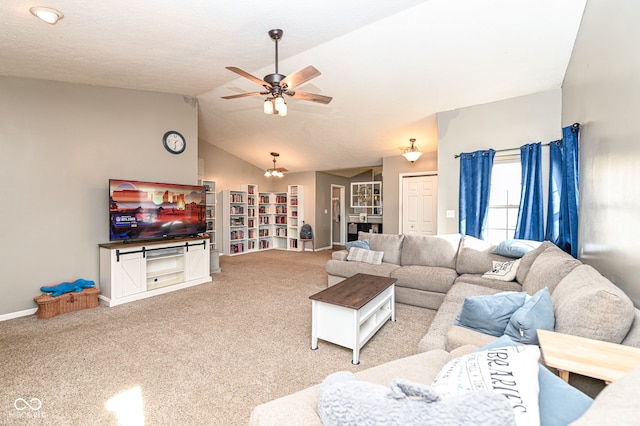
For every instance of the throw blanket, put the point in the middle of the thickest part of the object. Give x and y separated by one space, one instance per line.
343 400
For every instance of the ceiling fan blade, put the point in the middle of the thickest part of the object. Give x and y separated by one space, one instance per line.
313 97
249 76
243 95
299 77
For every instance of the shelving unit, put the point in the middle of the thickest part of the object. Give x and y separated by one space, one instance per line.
265 221
366 197
137 270
210 201
234 229
280 220
254 221
252 216
165 267
295 215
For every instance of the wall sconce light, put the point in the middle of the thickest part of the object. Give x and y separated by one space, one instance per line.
411 153
47 14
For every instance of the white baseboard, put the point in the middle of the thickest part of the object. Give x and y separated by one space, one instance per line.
12 315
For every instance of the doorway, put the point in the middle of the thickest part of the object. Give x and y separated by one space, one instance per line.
338 212
419 204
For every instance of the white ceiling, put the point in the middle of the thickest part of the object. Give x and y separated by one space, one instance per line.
389 65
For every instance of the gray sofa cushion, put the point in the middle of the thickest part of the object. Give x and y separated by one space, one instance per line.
459 336
428 278
633 337
587 304
551 266
390 244
527 260
475 257
430 250
489 282
615 405
349 269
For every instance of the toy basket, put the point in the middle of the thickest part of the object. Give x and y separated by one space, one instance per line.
49 306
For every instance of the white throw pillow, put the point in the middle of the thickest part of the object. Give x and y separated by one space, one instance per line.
510 371
357 254
503 271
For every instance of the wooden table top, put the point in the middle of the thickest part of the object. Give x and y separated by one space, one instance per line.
594 358
354 292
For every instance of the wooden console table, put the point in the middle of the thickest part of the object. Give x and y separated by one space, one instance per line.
593 358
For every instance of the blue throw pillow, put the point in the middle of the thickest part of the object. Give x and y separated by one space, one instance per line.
489 314
363 244
515 248
537 312
559 402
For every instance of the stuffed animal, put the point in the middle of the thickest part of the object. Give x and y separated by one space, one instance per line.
344 400
77 286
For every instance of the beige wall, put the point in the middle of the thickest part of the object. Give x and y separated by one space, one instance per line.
60 145
392 167
499 125
600 91
323 220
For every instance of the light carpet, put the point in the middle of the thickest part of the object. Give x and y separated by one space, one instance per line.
205 355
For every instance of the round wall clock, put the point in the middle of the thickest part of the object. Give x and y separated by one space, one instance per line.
174 142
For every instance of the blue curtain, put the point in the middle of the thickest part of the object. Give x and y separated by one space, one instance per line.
475 190
562 214
530 225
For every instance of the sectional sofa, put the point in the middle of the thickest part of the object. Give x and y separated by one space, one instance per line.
440 272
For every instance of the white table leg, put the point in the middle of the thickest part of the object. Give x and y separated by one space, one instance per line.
393 302
314 325
356 337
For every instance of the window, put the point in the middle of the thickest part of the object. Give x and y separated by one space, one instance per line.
505 198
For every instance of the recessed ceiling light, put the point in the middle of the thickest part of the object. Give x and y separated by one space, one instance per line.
47 14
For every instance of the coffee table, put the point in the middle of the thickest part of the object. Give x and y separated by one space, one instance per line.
352 311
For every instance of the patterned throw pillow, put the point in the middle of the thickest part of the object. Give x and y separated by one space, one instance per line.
368 256
503 271
510 371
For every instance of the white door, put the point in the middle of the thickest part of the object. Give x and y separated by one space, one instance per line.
419 205
338 212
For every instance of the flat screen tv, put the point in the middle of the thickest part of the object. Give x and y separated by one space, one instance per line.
149 210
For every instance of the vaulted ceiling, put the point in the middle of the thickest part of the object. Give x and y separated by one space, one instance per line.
389 66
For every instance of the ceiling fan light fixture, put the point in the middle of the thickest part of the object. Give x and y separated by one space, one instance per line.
47 14
282 110
268 106
412 153
275 171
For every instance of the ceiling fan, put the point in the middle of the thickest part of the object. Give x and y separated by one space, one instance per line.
276 85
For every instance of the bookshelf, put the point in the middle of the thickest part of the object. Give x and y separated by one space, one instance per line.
252 216
210 209
265 221
295 215
234 225
279 220
255 221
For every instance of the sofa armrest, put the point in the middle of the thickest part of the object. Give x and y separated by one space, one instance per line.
298 408
340 255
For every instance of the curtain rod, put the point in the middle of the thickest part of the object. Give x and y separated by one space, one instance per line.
574 127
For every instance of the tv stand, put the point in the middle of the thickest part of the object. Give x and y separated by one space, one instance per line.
132 271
